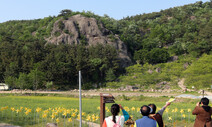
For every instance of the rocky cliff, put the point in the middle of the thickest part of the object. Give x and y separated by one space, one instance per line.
79 29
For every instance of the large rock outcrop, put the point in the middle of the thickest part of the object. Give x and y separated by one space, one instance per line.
79 29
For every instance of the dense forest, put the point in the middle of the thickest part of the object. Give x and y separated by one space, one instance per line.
177 41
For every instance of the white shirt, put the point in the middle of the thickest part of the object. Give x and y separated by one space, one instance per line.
109 121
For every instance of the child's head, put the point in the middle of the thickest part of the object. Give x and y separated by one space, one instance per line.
115 109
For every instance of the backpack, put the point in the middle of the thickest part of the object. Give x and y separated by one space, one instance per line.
116 124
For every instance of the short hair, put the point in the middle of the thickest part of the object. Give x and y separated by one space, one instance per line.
205 101
153 106
145 110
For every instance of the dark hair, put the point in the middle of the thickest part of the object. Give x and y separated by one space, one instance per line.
153 106
145 110
204 101
115 109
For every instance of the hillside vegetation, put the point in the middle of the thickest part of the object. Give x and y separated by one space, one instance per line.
176 41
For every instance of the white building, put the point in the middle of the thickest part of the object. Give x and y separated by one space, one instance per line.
4 86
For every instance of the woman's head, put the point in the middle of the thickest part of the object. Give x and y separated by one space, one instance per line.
115 109
153 106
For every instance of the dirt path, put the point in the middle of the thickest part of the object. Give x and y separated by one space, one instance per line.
183 87
181 84
7 125
97 93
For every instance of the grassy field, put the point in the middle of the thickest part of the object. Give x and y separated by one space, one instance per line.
32 111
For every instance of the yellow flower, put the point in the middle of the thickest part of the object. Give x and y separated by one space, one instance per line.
138 109
76 110
73 114
98 108
97 117
68 111
65 113
133 108
21 108
78 116
29 110
57 120
170 118
88 118
183 115
4 108
167 110
189 110
44 115
175 109
18 110
38 110
25 109
108 110
127 109
13 109
52 116
69 120
83 113
46 111
181 111
26 113
93 117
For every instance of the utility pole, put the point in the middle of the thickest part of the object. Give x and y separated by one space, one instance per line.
80 100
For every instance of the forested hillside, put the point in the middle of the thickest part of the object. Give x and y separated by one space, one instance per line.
177 41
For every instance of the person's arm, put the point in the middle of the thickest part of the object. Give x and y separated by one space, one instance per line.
125 113
164 107
196 111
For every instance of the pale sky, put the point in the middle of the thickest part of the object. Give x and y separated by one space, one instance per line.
117 9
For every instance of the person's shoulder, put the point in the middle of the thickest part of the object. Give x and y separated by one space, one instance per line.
198 108
109 117
139 119
122 117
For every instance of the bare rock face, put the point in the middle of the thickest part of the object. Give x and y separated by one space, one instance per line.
79 29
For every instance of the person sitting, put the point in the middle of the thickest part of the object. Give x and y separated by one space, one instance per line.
115 119
145 121
158 116
203 113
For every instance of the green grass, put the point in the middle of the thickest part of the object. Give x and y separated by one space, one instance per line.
89 106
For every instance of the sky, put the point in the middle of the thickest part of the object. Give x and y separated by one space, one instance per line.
117 9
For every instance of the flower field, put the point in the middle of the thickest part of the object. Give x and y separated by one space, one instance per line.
32 111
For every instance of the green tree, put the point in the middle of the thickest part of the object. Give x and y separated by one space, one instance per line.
158 55
110 76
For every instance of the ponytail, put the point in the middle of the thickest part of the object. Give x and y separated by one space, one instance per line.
114 118
115 111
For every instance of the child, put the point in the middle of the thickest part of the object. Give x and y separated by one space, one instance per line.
115 119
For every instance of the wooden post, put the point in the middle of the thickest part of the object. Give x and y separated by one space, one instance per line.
104 98
102 111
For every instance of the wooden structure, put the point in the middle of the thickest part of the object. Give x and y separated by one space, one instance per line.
104 98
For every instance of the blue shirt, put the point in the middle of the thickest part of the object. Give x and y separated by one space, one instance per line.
145 121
